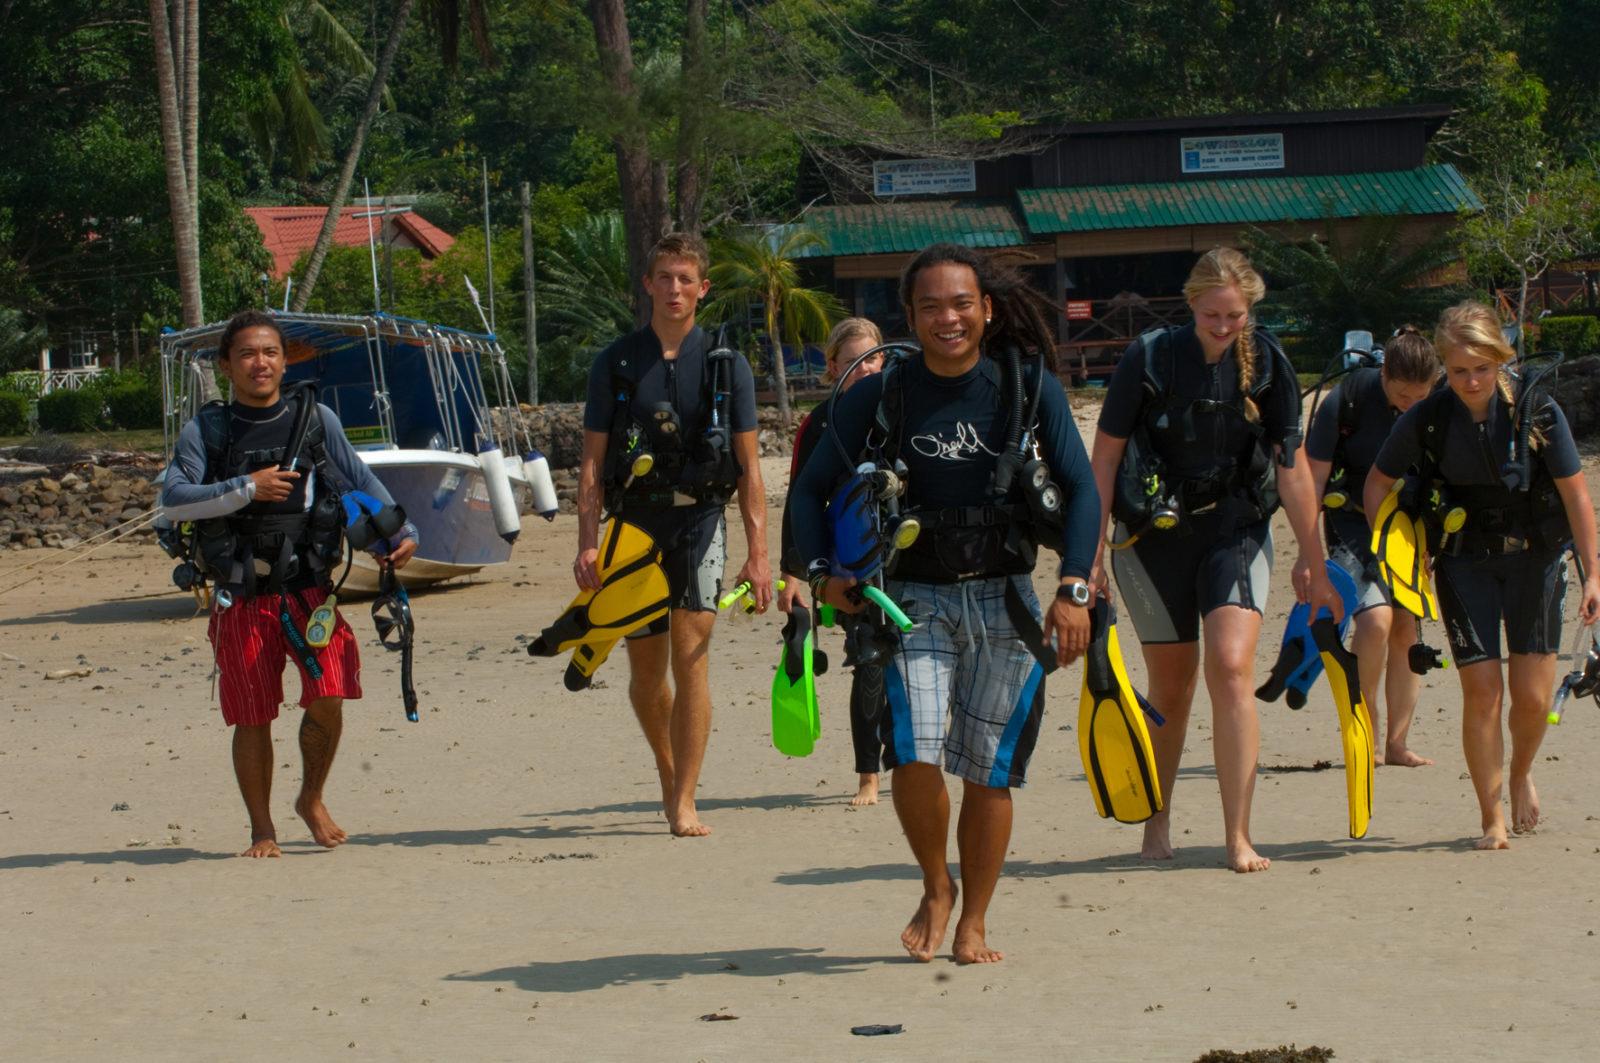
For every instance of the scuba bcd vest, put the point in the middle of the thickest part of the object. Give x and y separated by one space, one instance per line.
256 553
1001 533
1478 518
1243 488
661 461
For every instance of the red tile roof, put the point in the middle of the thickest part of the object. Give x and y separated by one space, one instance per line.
289 232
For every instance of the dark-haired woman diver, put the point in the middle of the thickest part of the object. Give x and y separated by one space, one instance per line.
965 685
1219 414
1347 430
1507 564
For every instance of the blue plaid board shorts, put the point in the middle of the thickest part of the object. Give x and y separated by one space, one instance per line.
964 690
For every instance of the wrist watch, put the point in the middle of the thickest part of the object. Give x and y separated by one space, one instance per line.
1076 592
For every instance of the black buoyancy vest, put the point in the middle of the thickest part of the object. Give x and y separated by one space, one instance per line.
227 548
1000 534
1494 512
692 460
1244 485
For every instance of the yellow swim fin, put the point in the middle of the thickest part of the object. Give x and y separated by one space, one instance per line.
1355 731
1118 760
633 593
1400 543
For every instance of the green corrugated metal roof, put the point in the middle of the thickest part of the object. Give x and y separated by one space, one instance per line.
1236 200
885 228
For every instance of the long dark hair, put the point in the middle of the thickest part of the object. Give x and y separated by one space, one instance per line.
1022 313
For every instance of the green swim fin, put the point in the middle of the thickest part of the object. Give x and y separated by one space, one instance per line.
633 593
1400 543
796 725
1115 744
1355 730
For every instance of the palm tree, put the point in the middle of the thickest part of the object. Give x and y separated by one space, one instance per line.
447 18
1374 280
175 31
759 267
584 287
287 116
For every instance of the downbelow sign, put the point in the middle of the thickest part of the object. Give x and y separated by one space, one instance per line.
923 177
1257 151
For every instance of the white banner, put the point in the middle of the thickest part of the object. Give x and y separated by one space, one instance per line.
923 177
1258 151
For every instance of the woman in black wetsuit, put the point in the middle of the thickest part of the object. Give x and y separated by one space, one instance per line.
1347 430
849 339
1507 565
1220 410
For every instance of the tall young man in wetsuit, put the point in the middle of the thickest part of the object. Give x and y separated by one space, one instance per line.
247 634
666 365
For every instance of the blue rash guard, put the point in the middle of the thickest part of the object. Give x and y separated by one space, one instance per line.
953 428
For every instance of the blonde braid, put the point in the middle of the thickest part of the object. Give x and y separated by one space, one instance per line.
1244 352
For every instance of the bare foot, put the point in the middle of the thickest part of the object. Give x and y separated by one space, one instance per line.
262 847
1401 757
1157 841
925 932
866 790
1244 859
324 831
970 946
1524 804
685 823
1493 838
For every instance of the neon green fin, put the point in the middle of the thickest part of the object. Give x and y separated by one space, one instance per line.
1115 744
796 725
1355 729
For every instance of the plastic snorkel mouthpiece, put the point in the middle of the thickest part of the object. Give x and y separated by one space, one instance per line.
1424 658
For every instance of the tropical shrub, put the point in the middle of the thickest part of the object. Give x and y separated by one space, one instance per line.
1574 335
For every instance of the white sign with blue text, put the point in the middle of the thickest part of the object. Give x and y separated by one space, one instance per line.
923 177
1256 151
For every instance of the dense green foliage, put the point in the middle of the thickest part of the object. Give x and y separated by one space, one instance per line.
1574 336
13 413
69 410
85 238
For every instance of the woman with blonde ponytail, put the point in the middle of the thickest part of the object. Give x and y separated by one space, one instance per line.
1196 444
1507 565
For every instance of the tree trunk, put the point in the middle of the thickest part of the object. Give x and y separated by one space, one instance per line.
358 140
1522 308
780 376
693 87
643 204
191 113
165 26
530 318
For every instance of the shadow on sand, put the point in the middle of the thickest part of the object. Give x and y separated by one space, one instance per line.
577 976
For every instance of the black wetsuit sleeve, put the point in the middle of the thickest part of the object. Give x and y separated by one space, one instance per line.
1062 447
744 397
808 496
1119 414
1323 439
804 444
600 407
1280 407
1403 448
1559 452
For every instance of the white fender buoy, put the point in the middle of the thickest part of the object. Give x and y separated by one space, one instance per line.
536 469
501 504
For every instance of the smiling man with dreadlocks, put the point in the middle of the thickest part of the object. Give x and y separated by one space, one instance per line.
962 422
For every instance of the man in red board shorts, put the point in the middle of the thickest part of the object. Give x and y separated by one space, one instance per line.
269 538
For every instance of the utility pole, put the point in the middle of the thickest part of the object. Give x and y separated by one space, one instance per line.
530 319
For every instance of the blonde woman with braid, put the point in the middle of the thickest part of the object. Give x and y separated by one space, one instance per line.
1201 423
1507 565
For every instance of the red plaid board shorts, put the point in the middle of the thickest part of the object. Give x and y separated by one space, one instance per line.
248 642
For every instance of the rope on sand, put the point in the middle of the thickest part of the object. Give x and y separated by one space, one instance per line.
83 549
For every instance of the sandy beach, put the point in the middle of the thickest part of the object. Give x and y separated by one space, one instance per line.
510 891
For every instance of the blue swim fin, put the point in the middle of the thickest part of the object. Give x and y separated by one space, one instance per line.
1299 664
